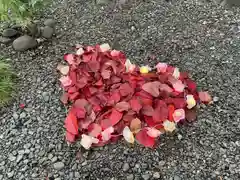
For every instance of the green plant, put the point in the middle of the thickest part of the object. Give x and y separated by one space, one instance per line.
6 82
20 11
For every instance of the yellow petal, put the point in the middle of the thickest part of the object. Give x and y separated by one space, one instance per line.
144 69
191 102
169 126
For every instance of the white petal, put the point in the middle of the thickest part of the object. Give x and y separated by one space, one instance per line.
87 141
106 134
128 135
153 132
80 51
105 47
176 73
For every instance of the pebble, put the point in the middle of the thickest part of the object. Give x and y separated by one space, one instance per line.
12 158
130 177
19 158
10 174
58 165
50 22
5 40
54 159
47 32
125 167
77 175
15 116
45 96
24 43
176 177
146 176
9 32
156 175
23 115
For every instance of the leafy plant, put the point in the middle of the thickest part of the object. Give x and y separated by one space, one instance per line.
20 11
6 82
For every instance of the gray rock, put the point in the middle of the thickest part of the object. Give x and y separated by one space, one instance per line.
23 115
130 177
10 174
54 159
33 29
156 175
125 167
47 32
15 116
176 177
58 165
77 175
12 158
9 32
46 96
102 2
19 158
1 176
50 22
5 40
24 43
146 176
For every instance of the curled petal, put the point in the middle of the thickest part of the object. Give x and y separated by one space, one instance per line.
128 135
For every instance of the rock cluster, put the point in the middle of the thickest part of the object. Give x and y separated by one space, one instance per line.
22 41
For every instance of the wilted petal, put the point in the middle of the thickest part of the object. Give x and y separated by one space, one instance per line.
128 135
87 141
178 115
169 126
161 67
191 102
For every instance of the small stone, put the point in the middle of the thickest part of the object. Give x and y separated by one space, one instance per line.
50 22
9 32
47 32
102 2
10 174
77 175
130 177
146 176
50 156
125 167
179 137
23 115
54 159
58 165
19 158
15 116
24 43
215 99
176 177
5 40
156 175
45 96
12 158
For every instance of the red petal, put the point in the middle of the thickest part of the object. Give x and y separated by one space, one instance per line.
125 89
152 88
106 74
94 66
70 137
94 129
135 105
81 103
171 110
191 85
143 138
71 123
147 110
87 57
122 106
114 98
161 112
115 117
204 97
69 58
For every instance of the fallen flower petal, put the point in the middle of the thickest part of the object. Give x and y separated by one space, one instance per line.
204 97
169 126
178 115
161 67
153 132
105 47
190 101
106 134
128 135
144 69
176 73
87 141
66 81
135 125
143 138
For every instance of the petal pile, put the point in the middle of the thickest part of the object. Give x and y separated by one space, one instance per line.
109 97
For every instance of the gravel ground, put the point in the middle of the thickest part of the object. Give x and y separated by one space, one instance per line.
202 38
